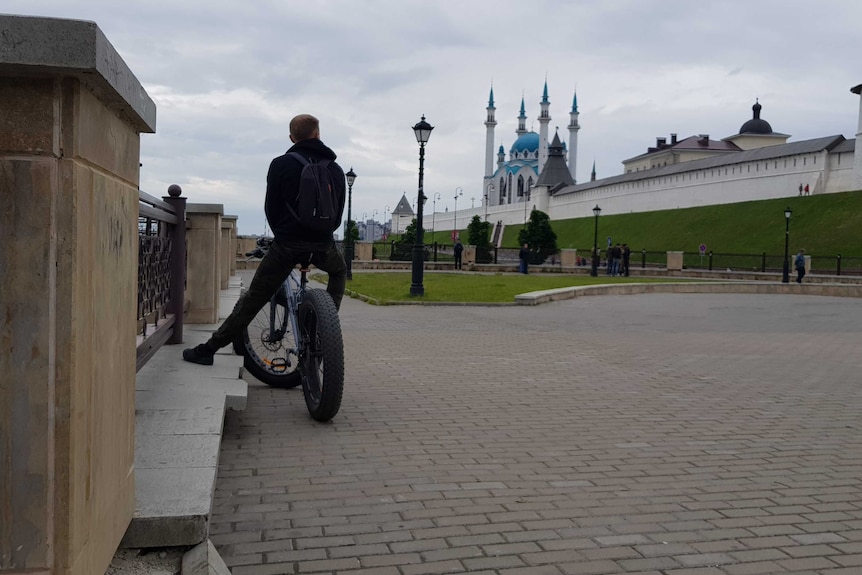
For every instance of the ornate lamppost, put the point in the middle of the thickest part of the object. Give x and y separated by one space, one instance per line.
422 130
594 271
458 192
348 246
434 213
785 276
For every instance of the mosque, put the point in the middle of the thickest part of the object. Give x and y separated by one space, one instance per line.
754 163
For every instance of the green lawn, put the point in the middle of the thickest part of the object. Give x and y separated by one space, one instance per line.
394 287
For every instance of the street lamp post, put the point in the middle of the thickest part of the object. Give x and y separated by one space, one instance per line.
374 224
487 197
434 213
386 217
785 277
422 130
348 246
594 271
458 192
526 203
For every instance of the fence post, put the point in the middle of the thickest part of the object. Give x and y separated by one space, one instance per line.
178 262
839 264
763 262
710 260
495 253
435 252
643 259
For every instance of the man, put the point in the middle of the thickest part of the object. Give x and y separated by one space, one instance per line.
458 249
627 255
524 257
294 243
800 266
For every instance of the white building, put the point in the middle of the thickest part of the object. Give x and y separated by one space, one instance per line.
754 164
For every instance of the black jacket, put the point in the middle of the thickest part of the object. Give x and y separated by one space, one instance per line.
282 186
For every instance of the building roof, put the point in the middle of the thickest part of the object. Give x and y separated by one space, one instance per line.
766 153
528 142
700 142
555 170
403 208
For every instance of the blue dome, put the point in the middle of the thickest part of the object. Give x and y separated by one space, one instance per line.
528 142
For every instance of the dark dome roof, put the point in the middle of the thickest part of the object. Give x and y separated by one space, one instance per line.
756 125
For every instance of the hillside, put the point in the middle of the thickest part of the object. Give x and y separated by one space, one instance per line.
824 225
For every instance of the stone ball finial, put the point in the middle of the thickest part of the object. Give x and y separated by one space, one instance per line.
174 190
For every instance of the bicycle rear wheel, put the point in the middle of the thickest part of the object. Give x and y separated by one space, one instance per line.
322 360
268 346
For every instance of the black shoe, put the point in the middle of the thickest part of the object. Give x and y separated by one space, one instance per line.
200 354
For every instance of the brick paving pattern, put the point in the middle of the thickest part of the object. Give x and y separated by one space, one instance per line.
664 434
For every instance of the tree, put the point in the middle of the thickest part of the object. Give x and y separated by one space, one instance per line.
479 235
352 232
539 236
403 249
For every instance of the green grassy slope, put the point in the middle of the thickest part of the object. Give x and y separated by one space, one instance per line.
822 224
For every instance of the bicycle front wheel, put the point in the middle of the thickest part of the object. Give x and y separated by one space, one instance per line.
322 358
268 346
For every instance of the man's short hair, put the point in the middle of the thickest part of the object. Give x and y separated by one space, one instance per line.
304 127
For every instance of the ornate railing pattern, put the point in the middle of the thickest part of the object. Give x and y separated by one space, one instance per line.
161 272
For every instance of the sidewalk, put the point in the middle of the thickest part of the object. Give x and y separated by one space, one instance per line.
179 416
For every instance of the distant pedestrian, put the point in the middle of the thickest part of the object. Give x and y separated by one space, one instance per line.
524 257
627 255
800 188
458 249
806 189
800 266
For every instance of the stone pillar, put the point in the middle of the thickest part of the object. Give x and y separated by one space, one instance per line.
568 258
364 251
72 115
225 248
857 155
232 245
204 261
674 261
469 255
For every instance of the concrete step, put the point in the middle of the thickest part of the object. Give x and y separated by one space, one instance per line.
179 414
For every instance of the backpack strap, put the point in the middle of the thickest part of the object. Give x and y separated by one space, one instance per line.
299 157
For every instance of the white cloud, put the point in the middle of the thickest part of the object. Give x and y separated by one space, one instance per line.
228 76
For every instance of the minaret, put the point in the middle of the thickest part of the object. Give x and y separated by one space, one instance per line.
544 119
573 138
857 154
522 120
490 123
593 174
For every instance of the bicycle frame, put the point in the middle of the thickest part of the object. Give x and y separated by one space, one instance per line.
294 288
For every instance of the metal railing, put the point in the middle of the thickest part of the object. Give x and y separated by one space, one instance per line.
161 272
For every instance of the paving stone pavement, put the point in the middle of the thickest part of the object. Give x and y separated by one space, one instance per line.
664 434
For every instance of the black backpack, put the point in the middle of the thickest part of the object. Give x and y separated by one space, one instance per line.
321 195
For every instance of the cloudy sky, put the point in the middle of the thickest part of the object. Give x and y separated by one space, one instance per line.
227 76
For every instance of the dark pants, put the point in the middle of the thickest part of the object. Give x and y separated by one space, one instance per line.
457 261
274 268
800 273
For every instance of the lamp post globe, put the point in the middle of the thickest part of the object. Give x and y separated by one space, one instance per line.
422 130
785 276
348 243
594 270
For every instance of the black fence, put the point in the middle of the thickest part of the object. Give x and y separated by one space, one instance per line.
161 273
644 259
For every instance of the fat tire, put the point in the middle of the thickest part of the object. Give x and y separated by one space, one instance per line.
320 329
254 363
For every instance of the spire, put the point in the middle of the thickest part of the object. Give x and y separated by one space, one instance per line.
575 103
491 97
593 174
756 108
522 119
545 92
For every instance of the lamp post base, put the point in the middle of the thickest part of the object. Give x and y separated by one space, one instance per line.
785 276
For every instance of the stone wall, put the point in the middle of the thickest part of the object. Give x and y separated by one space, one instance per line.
69 161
